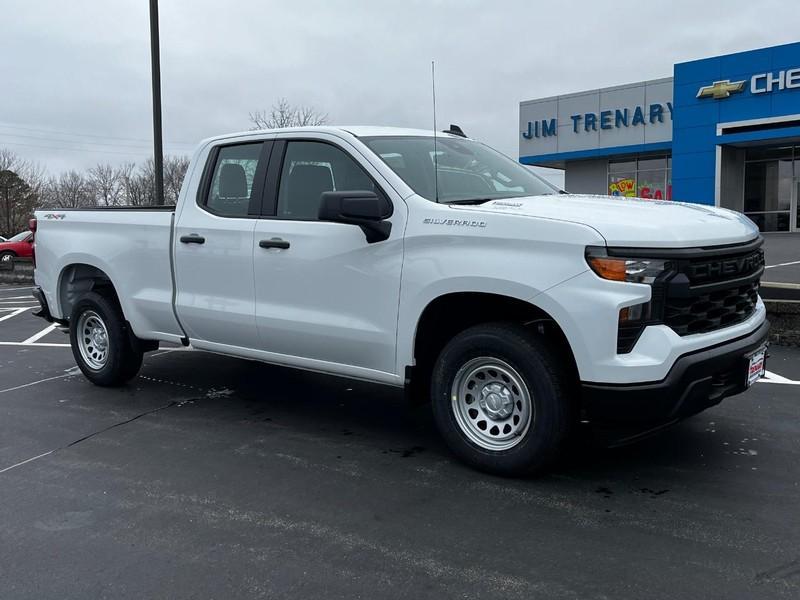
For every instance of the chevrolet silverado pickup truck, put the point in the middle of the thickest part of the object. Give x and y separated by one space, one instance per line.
425 261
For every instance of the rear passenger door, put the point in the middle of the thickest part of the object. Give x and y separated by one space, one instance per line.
326 298
215 297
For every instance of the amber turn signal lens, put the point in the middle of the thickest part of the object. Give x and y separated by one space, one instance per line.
608 268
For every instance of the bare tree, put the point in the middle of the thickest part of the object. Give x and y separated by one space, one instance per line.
9 161
175 168
104 185
138 184
282 114
16 202
24 186
20 189
73 190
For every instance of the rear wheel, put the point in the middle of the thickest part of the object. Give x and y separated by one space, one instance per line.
501 400
101 343
6 257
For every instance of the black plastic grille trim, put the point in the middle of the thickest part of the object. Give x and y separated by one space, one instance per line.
703 313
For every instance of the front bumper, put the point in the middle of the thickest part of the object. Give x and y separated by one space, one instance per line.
696 381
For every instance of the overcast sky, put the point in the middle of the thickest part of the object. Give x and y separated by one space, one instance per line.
76 74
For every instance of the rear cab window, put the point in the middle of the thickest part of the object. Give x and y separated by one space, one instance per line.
234 189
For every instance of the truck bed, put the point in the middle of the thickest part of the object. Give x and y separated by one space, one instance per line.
132 246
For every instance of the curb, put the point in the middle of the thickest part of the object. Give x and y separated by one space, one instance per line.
784 318
21 271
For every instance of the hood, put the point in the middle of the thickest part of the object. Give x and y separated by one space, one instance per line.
634 221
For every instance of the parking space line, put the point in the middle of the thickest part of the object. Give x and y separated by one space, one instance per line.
26 461
41 334
786 264
14 289
16 312
35 345
770 377
68 373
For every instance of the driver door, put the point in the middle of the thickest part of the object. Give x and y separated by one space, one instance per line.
326 298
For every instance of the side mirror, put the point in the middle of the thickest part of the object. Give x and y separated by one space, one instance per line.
368 210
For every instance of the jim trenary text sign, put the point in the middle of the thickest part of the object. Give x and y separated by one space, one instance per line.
604 119
621 116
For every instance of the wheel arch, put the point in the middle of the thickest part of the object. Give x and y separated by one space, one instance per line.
76 280
448 314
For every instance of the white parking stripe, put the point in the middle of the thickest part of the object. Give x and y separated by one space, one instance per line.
68 373
770 377
2 289
24 462
36 345
28 298
16 312
786 264
41 334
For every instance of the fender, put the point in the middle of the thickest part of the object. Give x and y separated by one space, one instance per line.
411 309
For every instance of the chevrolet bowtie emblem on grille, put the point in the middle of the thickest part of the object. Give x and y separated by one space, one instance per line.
720 89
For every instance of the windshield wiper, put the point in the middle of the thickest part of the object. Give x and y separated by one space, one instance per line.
469 201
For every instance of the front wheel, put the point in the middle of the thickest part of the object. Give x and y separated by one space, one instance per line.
501 400
7 257
100 341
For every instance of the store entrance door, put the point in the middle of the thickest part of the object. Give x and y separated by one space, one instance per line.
771 178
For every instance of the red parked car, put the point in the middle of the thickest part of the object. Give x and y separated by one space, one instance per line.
19 246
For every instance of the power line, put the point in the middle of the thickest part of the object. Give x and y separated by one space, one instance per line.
5 125
82 142
144 151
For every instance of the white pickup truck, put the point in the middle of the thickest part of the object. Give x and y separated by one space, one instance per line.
430 262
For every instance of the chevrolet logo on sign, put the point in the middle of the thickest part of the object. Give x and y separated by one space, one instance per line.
720 89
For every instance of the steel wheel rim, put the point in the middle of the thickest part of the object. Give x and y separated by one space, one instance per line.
491 403
92 339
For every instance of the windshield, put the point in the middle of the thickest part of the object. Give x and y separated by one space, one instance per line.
467 170
20 237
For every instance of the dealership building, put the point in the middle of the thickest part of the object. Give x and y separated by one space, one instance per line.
722 131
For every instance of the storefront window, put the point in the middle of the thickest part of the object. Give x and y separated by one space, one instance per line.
622 184
652 184
769 187
645 177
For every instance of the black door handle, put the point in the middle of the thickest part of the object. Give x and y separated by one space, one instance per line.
274 243
193 239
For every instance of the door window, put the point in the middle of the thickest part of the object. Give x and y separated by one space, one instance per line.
232 186
311 168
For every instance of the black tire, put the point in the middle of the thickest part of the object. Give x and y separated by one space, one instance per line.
7 256
122 360
546 382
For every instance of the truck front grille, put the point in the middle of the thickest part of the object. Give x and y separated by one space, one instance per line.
712 311
709 293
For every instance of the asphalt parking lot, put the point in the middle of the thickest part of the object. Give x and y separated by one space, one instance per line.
782 257
212 477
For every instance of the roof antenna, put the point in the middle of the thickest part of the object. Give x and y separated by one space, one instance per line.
435 153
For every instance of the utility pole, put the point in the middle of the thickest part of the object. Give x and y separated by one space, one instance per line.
155 67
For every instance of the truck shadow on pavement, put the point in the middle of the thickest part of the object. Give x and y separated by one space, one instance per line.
331 413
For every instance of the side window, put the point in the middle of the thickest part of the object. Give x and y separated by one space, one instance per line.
232 181
311 168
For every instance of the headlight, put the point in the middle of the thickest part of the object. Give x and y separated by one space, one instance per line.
632 270
651 271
